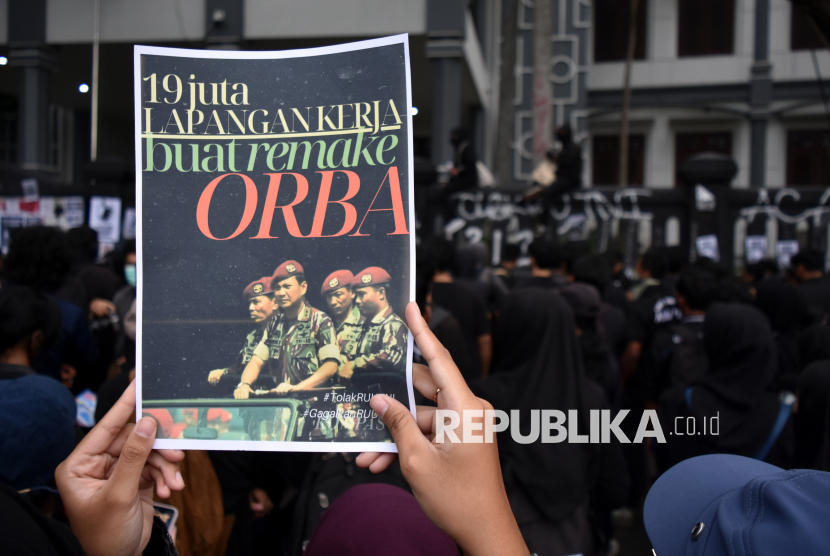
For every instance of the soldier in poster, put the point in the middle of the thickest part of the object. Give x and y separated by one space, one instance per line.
382 343
337 290
261 305
301 338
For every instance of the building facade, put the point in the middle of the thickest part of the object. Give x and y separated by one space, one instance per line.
743 77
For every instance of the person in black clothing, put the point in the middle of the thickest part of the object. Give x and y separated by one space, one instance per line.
537 365
814 288
463 174
601 365
568 168
737 389
462 304
445 327
812 421
785 310
594 270
652 305
547 266
39 258
678 350
37 413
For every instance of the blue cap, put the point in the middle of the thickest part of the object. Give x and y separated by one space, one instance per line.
721 505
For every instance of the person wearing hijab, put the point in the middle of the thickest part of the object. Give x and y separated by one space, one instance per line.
378 519
737 390
812 421
600 364
785 310
814 344
538 366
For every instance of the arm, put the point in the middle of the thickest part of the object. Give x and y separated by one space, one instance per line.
326 370
106 483
391 354
249 375
458 485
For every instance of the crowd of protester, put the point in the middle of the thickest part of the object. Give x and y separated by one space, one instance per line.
561 328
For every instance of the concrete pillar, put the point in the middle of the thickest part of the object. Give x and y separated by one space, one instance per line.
446 106
27 51
445 42
760 96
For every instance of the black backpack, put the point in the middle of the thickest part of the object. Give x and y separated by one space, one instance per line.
688 359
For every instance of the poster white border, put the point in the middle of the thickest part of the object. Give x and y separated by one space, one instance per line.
259 445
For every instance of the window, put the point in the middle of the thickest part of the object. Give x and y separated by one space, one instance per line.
688 144
803 34
606 159
705 27
808 157
611 30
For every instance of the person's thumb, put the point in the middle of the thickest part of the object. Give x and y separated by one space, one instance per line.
124 483
401 424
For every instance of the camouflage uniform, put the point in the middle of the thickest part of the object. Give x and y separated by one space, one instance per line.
252 340
382 344
348 334
300 347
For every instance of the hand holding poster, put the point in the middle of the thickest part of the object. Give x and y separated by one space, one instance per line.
274 200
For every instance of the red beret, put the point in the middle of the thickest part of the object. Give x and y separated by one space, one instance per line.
287 270
259 287
336 280
372 276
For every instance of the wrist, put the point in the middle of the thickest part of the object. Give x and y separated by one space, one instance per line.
243 383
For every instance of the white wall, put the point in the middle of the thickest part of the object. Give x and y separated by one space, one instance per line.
324 18
71 21
659 125
663 68
788 65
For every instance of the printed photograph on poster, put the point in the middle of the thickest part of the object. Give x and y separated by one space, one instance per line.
105 218
275 244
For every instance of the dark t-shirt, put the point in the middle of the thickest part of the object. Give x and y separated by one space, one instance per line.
544 282
655 308
468 310
816 294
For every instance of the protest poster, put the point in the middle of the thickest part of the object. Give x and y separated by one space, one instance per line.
275 245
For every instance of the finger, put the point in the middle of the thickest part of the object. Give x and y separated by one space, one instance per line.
383 462
401 425
422 380
169 470
426 416
108 428
161 486
122 486
443 370
365 459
